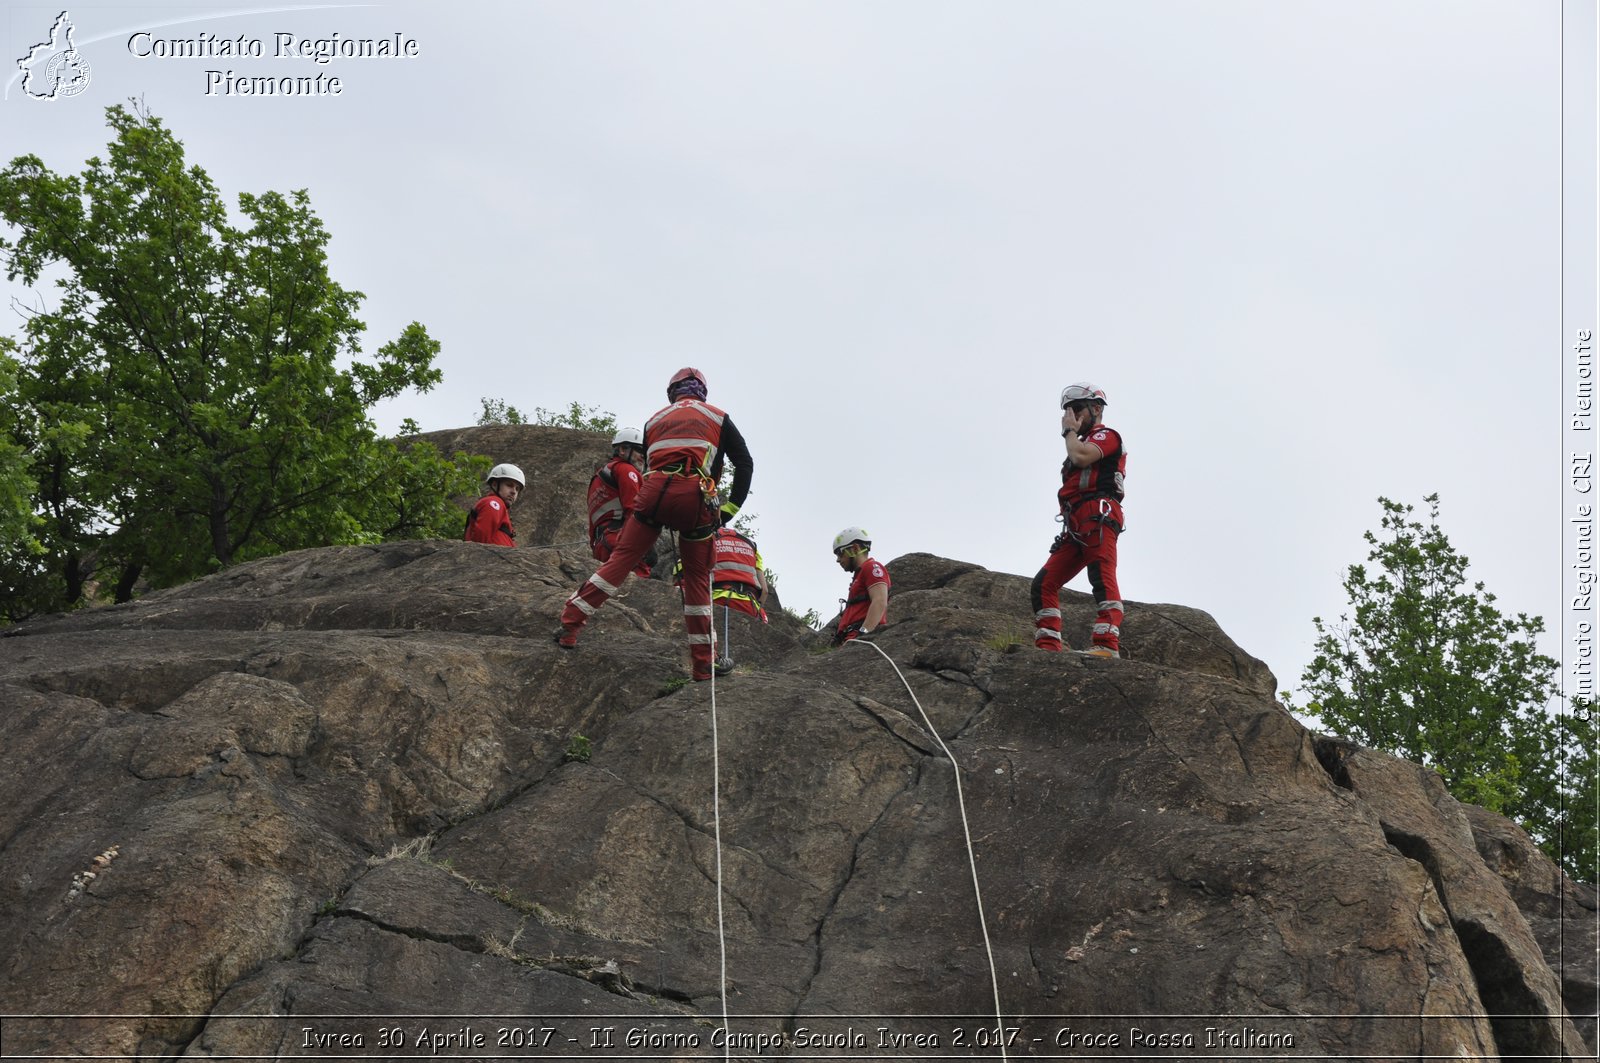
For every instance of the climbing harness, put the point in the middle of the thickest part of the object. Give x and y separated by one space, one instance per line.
966 830
1103 517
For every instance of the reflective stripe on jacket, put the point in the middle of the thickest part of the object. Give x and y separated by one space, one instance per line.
605 501
687 433
743 603
736 560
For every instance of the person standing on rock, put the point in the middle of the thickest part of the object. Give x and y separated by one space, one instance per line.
490 519
685 444
863 612
1091 511
612 492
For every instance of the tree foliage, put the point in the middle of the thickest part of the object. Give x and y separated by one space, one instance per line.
810 618
1572 792
18 524
183 401
497 411
1429 669
583 418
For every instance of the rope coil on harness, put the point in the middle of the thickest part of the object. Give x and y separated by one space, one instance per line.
966 830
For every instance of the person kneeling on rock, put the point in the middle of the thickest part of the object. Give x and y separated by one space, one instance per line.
863 612
738 582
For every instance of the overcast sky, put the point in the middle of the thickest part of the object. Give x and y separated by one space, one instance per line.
1310 250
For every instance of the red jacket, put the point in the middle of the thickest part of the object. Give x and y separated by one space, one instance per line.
490 522
737 562
611 493
734 582
697 436
1103 479
855 607
687 433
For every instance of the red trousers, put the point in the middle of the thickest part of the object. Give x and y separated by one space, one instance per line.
1090 542
666 500
605 544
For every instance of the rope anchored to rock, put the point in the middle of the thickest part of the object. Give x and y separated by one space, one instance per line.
716 819
966 830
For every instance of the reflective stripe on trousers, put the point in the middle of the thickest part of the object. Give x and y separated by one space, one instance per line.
677 503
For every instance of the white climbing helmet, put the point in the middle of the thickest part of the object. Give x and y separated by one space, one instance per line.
851 536
628 437
1081 392
505 472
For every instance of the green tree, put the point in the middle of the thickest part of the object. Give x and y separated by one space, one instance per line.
583 418
184 402
809 618
18 524
1429 669
496 411
1568 810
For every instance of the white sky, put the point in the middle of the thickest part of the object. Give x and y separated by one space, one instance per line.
1311 250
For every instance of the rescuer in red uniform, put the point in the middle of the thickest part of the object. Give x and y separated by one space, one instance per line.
612 492
868 604
490 519
685 444
738 582
738 577
1091 510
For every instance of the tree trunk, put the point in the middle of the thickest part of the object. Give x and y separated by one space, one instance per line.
130 576
221 546
74 571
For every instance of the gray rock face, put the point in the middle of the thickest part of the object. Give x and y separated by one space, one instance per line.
1561 913
339 789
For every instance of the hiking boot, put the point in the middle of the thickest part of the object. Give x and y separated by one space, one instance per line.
1099 651
1048 645
723 666
567 637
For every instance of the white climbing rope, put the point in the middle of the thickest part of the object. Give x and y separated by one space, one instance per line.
966 830
556 546
716 823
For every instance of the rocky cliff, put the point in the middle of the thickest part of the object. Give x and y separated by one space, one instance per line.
352 801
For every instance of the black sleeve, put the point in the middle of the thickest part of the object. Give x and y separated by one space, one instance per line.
734 448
